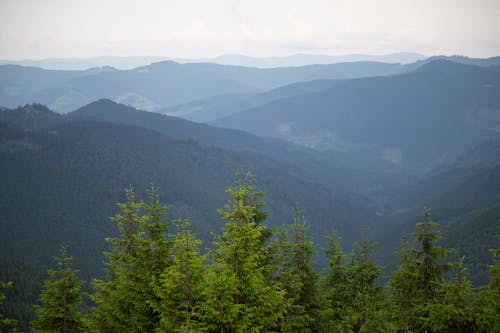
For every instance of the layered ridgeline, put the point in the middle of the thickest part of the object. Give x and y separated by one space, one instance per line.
161 84
165 84
178 163
412 120
61 181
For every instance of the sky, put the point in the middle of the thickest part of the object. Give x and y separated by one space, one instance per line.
37 29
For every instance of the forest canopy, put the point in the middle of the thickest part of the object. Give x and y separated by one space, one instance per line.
257 279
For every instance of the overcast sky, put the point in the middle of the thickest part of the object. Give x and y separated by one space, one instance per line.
37 29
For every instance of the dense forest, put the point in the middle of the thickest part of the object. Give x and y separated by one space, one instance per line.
252 278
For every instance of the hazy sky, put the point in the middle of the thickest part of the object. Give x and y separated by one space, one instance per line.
206 28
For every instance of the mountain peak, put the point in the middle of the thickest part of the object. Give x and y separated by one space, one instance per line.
30 116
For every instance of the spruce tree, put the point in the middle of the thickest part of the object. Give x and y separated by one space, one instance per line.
353 301
59 299
297 277
415 283
181 285
453 310
126 299
247 303
6 323
366 306
487 304
335 287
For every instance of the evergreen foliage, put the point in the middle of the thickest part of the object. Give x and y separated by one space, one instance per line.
252 281
125 300
415 282
5 323
296 276
60 298
181 285
354 301
249 303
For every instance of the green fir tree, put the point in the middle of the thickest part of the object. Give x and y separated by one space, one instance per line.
240 298
126 299
59 299
181 285
415 283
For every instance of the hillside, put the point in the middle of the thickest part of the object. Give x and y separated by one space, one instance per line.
413 120
161 84
60 167
207 110
331 170
464 198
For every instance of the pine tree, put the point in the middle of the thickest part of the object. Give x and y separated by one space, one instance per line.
59 299
487 304
282 262
247 303
181 285
297 277
366 308
335 287
414 284
454 310
5 323
126 299
354 302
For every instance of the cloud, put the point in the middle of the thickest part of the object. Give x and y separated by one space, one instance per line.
189 28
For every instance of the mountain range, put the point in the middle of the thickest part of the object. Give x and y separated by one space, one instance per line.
55 168
412 120
355 144
227 59
165 84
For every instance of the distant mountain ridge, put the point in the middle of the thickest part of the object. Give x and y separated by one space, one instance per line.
411 119
131 62
160 84
164 84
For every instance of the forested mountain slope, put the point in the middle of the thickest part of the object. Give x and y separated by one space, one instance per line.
412 120
333 170
465 199
60 167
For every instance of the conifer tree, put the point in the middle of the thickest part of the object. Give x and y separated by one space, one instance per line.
487 304
282 261
454 310
5 323
297 277
59 299
153 255
354 302
125 300
414 284
248 303
366 308
181 285
335 287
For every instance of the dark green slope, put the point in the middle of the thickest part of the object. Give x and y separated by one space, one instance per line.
464 197
19 299
43 206
469 182
56 170
414 119
30 116
328 169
